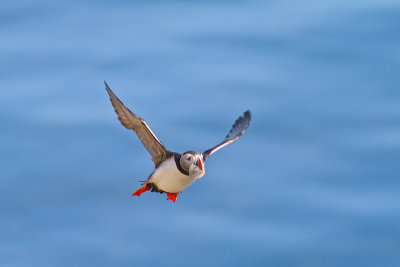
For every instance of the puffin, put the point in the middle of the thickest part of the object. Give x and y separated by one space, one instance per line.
174 172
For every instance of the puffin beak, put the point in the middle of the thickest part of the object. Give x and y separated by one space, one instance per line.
199 164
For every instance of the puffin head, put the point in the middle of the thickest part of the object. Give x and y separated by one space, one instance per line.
192 162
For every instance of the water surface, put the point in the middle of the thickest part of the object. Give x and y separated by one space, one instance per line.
313 182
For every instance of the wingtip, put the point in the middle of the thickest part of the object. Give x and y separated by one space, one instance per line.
105 83
110 93
247 114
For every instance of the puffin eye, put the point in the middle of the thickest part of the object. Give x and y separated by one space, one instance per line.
189 158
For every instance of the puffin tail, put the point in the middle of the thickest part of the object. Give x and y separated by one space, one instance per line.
141 190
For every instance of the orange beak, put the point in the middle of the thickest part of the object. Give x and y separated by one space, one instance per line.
200 164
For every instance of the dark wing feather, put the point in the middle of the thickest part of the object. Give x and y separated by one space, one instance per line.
237 130
128 119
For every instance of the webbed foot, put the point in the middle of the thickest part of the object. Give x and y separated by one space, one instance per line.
141 190
172 196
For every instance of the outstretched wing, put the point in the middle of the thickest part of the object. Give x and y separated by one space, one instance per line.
128 119
237 130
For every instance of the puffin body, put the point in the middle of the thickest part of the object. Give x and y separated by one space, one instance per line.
168 178
173 172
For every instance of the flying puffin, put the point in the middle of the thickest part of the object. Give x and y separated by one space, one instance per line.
173 172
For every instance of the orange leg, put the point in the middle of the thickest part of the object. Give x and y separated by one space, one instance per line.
172 196
141 190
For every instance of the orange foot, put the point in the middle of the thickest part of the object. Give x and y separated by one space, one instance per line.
172 196
141 190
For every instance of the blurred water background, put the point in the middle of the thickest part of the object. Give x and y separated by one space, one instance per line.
315 181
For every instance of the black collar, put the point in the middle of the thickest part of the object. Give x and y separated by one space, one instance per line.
178 164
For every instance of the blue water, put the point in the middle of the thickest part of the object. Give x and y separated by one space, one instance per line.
315 181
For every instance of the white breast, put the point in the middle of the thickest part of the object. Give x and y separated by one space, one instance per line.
168 178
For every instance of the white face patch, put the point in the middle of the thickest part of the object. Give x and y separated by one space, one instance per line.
195 172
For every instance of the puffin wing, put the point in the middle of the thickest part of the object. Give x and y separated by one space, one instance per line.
131 121
237 130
